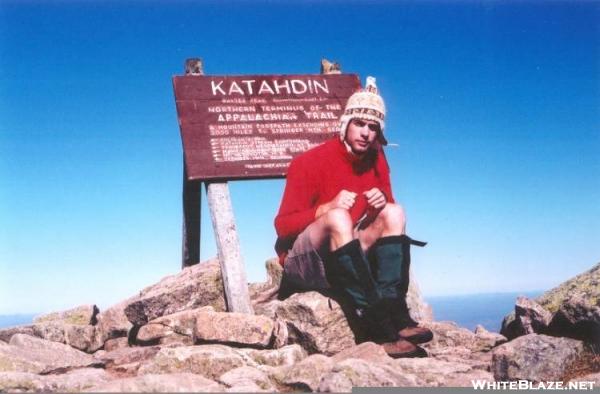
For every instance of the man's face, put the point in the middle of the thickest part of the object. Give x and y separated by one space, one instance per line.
361 134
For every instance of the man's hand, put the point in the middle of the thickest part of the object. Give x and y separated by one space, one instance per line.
344 199
375 198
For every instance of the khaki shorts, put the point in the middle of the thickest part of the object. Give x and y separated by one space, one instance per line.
303 267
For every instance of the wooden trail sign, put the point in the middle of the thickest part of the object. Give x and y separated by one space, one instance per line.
250 127
246 127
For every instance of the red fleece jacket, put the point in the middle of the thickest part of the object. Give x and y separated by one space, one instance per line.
316 177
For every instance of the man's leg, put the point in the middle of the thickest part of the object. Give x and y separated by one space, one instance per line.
304 267
345 264
349 271
390 249
389 225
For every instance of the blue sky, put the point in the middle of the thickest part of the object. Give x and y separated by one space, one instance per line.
495 107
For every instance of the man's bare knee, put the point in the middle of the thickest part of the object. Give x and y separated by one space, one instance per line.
338 220
393 219
338 224
333 227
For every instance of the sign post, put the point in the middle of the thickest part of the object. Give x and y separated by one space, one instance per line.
246 127
191 197
228 248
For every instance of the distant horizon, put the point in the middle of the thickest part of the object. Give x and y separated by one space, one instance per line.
468 311
425 298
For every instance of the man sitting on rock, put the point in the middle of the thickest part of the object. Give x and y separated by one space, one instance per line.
338 226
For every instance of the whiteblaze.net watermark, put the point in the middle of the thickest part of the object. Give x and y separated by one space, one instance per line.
528 385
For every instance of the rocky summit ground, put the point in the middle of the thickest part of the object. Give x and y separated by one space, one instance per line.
175 336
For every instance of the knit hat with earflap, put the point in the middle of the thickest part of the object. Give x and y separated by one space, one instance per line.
365 104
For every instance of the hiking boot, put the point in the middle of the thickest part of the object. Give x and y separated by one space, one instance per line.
406 326
403 348
383 331
416 334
